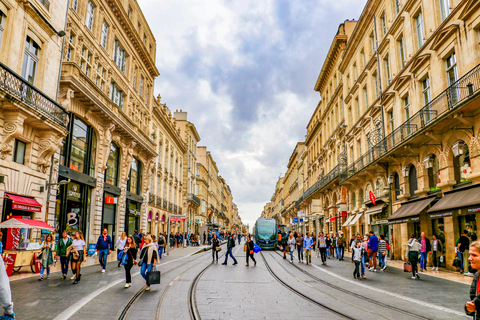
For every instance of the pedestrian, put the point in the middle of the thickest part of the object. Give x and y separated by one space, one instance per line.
1 243
5 293
209 238
137 238
250 252
120 245
62 246
47 256
284 244
148 259
328 242
161 245
413 250
230 246
424 251
79 244
335 245
204 237
472 306
130 249
307 246
365 253
437 251
291 245
353 240
382 252
155 242
357 253
322 247
299 240
215 244
463 244
372 251
341 246
104 248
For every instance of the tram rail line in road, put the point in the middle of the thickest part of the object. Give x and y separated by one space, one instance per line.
357 295
319 304
124 312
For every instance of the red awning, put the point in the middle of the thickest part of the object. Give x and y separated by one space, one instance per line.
25 204
20 223
333 218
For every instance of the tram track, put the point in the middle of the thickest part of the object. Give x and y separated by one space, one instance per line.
302 295
357 295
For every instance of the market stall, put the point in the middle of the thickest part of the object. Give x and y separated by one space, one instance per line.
20 251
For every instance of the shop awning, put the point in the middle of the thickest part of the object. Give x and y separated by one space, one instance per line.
348 221
20 223
411 208
25 204
354 220
376 208
464 197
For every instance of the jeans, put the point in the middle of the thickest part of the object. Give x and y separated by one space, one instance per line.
434 259
291 255
381 259
328 252
300 253
460 256
423 260
323 254
413 259
42 269
341 251
229 252
102 257
160 252
146 268
362 264
308 255
64 265
337 252
5 293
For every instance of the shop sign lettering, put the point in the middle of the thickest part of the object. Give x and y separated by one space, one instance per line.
73 194
72 219
473 209
438 215
23 207
379 222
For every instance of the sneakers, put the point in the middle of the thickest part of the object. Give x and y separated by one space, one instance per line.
75 282
468 274
103 270
291 261
127 285
374 270
64 277
224 264
73 277
8 316
255 263
384 268
363 276
418 277
246 265
41 278
414 278
48 276
235 263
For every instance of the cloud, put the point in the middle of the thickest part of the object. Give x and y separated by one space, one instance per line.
245 71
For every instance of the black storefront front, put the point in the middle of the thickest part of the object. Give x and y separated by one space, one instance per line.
134 199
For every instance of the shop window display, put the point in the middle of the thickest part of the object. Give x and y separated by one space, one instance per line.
438 229
462 165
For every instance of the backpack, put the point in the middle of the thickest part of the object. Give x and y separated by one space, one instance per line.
161 241
232 242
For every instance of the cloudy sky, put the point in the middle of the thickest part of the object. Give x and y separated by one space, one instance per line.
244 70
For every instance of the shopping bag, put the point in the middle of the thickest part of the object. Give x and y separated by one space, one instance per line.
245 247
407 267
124 259
153 276
256 248
120 255
442 259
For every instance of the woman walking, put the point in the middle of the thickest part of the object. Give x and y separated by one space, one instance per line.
79 244
382 252
130 250
357 253
472 307
148 258
215 244
437 251
120 244
47 256
413 249
250 251
291 244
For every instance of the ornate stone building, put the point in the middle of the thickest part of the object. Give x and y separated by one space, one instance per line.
32 123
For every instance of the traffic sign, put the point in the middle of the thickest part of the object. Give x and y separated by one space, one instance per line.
295 220
372 197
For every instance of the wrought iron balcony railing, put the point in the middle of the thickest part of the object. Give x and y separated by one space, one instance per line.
165 204
460 91
170 206
151 199
159 201
20 89
320 184
175 208
193 198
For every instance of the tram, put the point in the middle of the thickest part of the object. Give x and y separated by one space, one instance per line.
265 233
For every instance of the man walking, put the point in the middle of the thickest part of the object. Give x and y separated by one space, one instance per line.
230 246
307 245
62 246
462 244
299 241
372 251
322 247
104 248
204 237
137 238
424 251
161 245
341 246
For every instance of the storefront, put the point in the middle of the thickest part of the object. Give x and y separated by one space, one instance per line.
111 192
109 213
134 200
376 219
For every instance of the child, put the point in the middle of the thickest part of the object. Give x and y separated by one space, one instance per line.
357 258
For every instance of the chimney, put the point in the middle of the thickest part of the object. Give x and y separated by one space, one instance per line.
180 115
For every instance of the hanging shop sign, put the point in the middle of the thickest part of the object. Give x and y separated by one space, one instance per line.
111 200
372 197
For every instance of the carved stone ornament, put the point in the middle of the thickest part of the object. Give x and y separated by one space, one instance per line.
106 142
66 98
48 145
10 130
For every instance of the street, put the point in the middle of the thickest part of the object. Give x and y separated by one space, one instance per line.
273 289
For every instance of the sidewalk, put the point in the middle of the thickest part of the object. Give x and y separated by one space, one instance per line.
25 272
442 273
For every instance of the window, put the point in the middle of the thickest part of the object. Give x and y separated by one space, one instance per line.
363 58
19 151
375 84
119 56
406 107
444 9
90 12
104 35
433 173
397 6
392 121
70 46
387 70
135 178
426 98
111 173
116 95
462 165
401 47
361 196
452 76
358 108
141 86
130 12
78 158
372 43
412 180
75 4
196 189
93 152
135 78
355 76
30 60
2 25
384 25
100 81
420 31
365 92
159 154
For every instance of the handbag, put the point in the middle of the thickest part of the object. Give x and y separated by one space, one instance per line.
251 251
407 267
124 260
457 262
218 248
287 249
442 259
120 255
245 247
153 277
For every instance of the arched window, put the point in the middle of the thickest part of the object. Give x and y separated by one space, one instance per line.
412 180
461 162
135 181
354 201
361 196
379 188
111 173
431 164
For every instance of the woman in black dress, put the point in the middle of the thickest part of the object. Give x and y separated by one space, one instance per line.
250 251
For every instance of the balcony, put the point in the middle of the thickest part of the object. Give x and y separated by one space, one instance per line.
21 90
431 114
170 206
151 199
179 210
193 198
165 204
320 184
159 201
175 208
